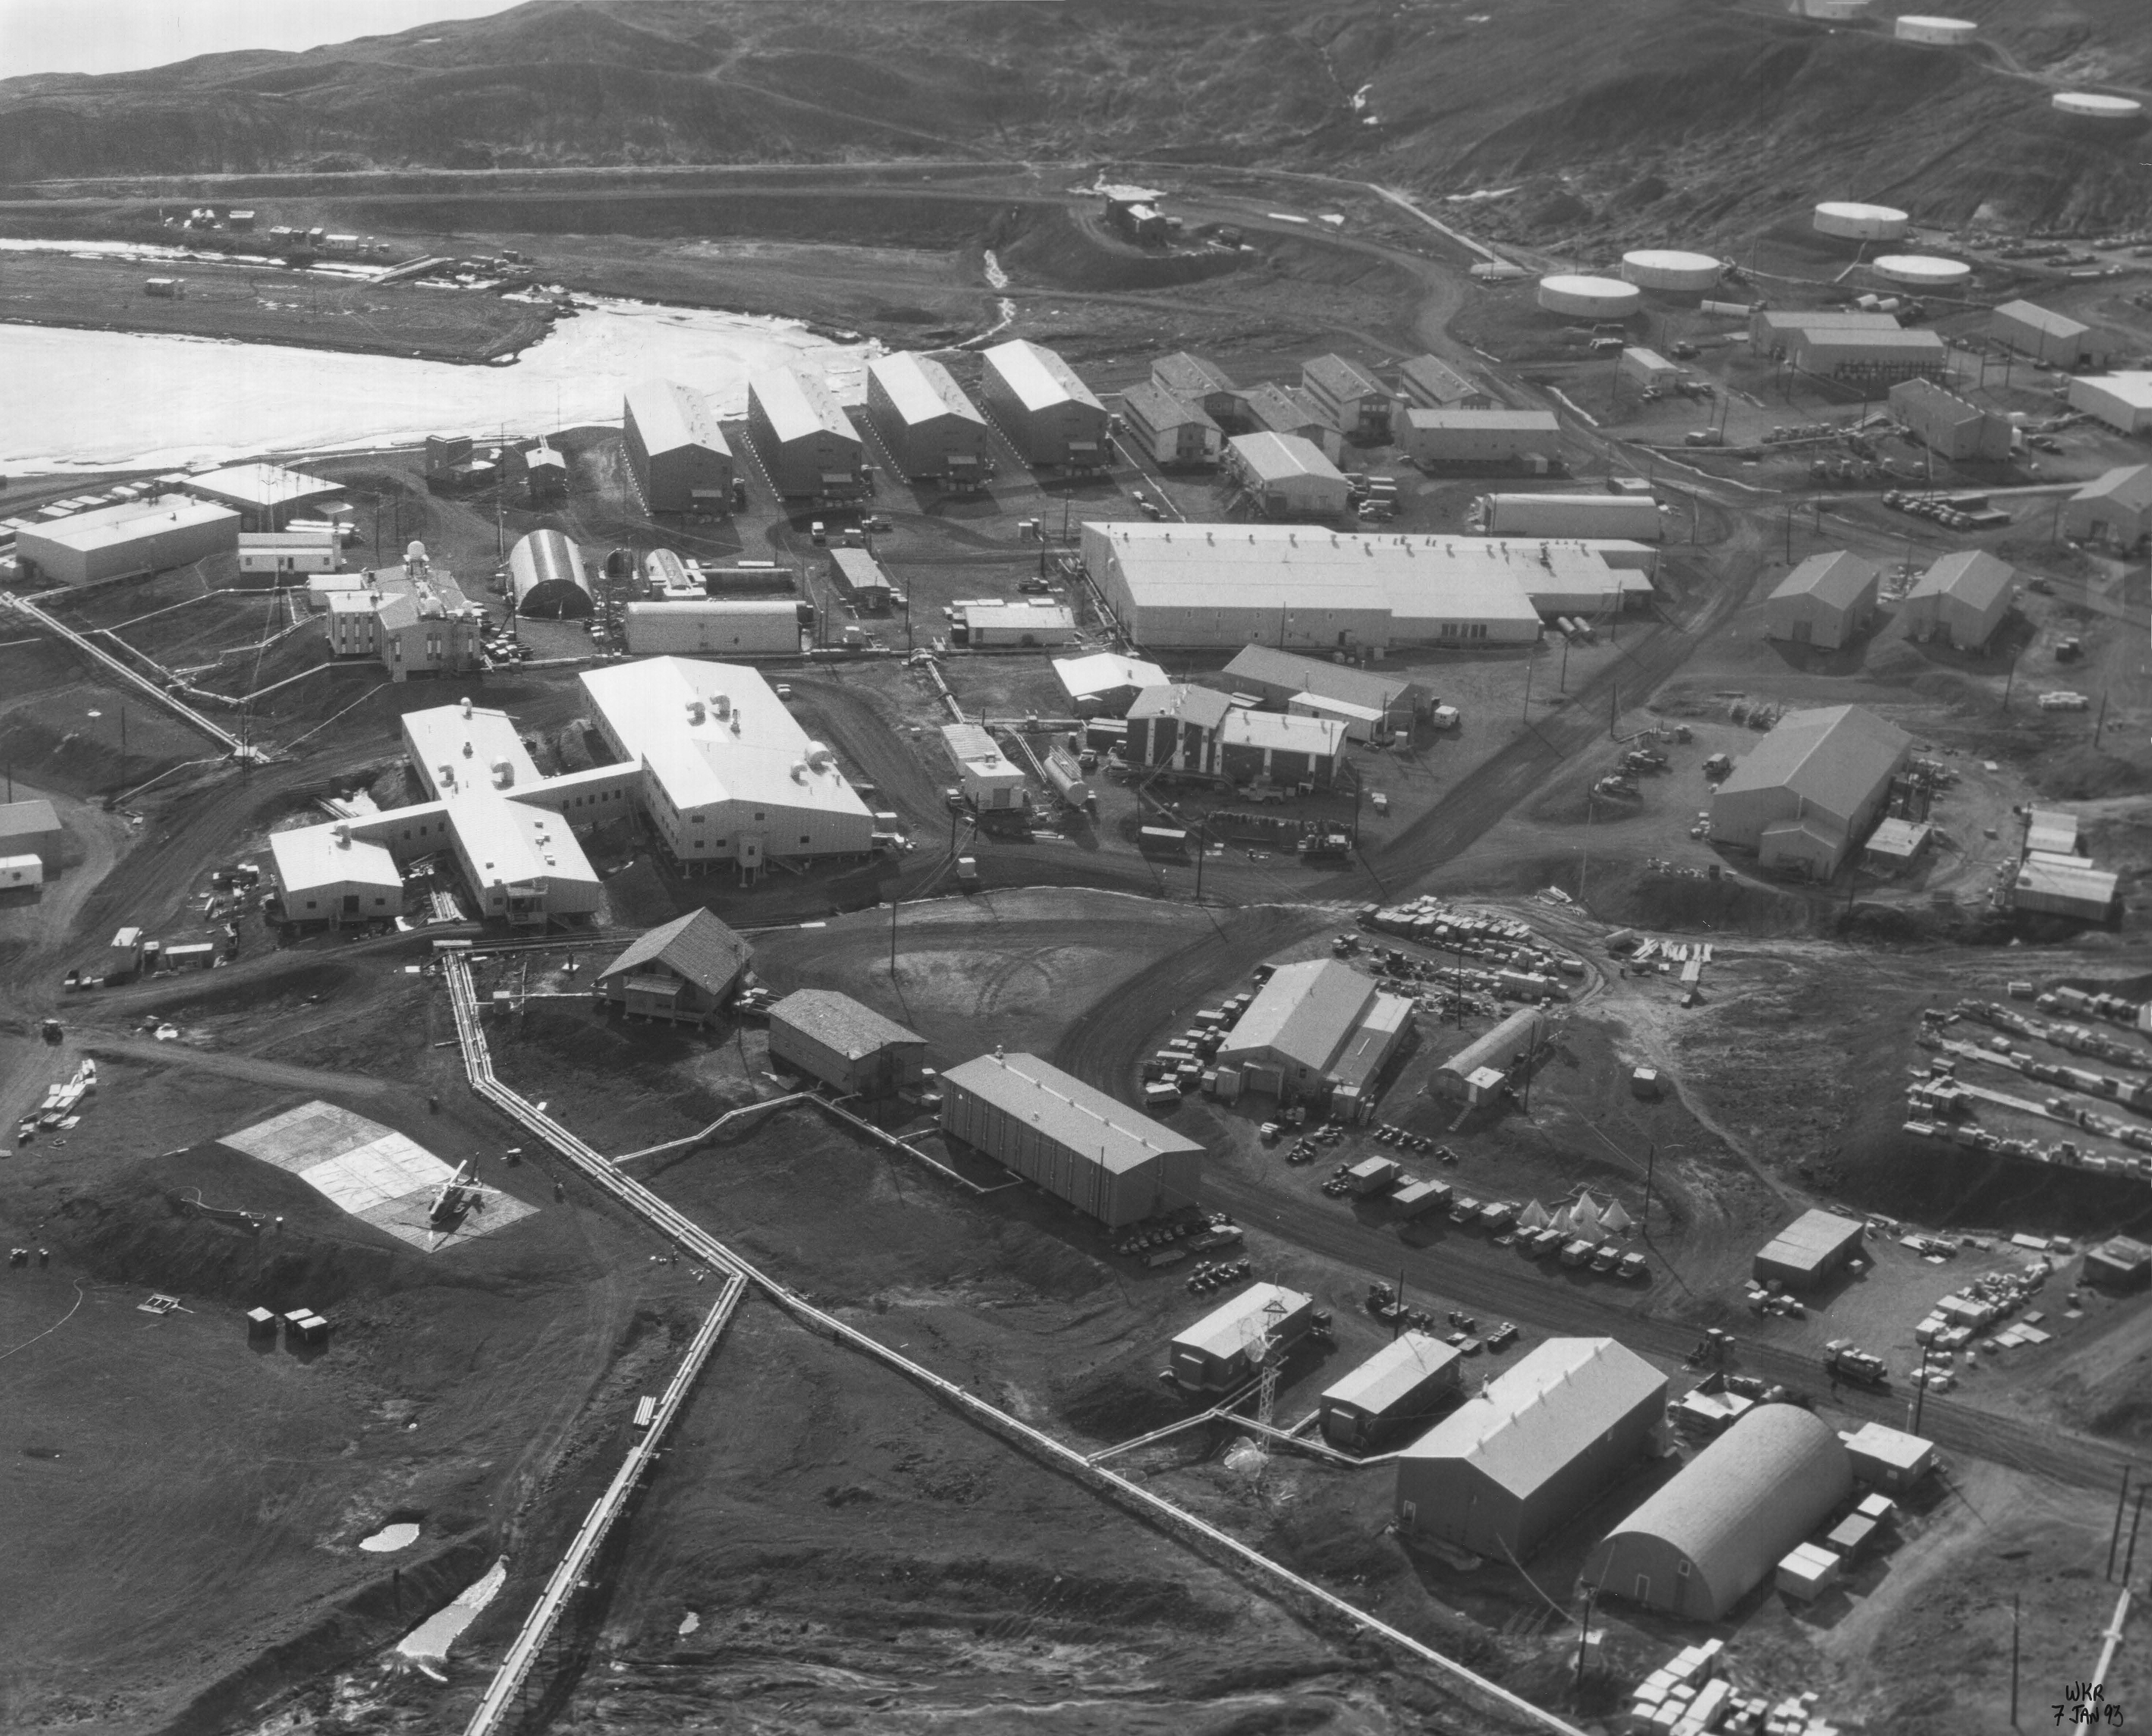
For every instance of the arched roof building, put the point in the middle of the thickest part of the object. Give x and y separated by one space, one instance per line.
1700 1544
545 571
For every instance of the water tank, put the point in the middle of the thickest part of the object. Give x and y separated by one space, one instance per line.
1941 33
1860 222
2090 105
1923 271
1663 268
1590 297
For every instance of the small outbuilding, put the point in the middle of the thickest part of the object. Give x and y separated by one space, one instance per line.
987 777
846 1045
1406 1381
1716 1531
1105 683
2058 886
1224 1349
1286 476
2119 1263
1808 1249
1888 1458
1828 602
684 972
31 828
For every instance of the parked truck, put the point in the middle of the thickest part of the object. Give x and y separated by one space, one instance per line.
1847 1361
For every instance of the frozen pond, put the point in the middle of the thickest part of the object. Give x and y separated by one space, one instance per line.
390 1538
112 400
427 1645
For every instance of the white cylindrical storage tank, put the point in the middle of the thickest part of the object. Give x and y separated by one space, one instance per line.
1663 268
1923 271
1590 297
2090 105
1941 33
1860 222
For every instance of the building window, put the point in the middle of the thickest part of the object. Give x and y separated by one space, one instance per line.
760 815
803 838
1680 1570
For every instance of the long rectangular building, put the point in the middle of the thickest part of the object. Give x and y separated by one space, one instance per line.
1406 1381
2047 336
1077 1143
113 541
933 433
676 452
746 627
1287 477
1223 586
1480 437
1050 416
808 445
1431 384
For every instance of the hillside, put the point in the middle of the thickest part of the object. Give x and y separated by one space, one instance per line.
1624 118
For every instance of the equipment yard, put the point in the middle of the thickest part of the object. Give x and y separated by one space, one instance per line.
1329 949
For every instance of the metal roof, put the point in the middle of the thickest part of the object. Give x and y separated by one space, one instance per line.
1038 377
2053 831
712 732
1438 379
544 559
1742 1502
861 570
1086 1123
839 1022
1837 756
1193 375
1103 671
1156 408
1925 398
27 819
920 389
1281 733
2129 484
2132 387
2074 879
799 406
109 527
1019 617
261 486
1484 421
668 416
1812 1238
1539 1416
1393 1373
1234 1327
697 945
1340 379
1306 1010
1892 1446
1498 1047
456 751
1289 670
1273 458
1282 410
1827 319
1971 576
1838 579
1858 338
1206 707
2041 319
308 858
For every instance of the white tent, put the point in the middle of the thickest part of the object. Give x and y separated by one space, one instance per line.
1616 1220
1534 1216
1560 1221
1584 1215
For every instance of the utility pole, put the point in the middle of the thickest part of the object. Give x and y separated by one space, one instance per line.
1528 687
1583 1635
892 934
1202 850
2013 1660
2136 1518
1650 1164
2100 722
2120 1501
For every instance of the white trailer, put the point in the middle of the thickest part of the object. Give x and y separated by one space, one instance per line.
1628 518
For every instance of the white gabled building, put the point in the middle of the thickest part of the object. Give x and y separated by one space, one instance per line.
723 771
677 454
931 430
1050 416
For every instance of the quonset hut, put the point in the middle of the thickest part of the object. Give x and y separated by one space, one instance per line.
1713 1534
547 578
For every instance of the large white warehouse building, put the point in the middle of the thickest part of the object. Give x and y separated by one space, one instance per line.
932 432
141 536
1049 414
717 626
676 452
1220 587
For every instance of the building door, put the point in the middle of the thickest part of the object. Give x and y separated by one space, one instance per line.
1644 1588
351 904
1408 1514
1801 631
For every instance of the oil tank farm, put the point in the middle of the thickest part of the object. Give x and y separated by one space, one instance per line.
1922 271
1937 32
1406 1382
729 626
1851 221
808 446
547 578
678 457
1716 1531
1590 297
1078 1144
1227 1346
1671 270
2098 110
932 432
1050 416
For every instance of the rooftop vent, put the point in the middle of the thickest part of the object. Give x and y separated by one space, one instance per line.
504 774
694 711
465 707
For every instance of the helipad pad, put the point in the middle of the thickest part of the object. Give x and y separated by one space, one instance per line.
373 1172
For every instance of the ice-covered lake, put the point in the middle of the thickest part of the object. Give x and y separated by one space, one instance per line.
107 400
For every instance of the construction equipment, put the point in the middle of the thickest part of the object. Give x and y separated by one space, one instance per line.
1847 1361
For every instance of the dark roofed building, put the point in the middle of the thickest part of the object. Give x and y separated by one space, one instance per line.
1808 1249
685 971
1200 381
845 1044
